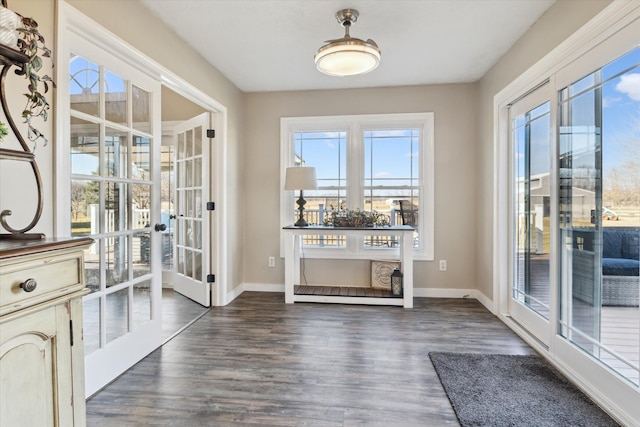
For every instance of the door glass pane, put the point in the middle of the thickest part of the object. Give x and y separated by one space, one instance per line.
141 254
141 107
197 274
197 194
84 85
600 214
532 160
116 260
91 325
197 171
197 234
181 266
188 263
181 146
197 141
141 303
189 143
188 233
188 172
115 153
115 206
115 92
141 159
189 203
167 190
117 314
85 147
92 266
141 197
84 207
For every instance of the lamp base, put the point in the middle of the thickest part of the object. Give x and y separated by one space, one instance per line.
301 221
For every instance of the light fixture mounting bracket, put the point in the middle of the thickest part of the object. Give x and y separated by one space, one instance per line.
347 17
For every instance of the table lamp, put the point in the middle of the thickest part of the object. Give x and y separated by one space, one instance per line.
301 178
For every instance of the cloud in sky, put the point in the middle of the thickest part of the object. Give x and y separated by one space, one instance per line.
384 175
630 84
608 101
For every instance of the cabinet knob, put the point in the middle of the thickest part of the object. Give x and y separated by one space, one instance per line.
29 285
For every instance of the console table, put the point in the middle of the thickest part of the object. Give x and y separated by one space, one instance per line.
292 250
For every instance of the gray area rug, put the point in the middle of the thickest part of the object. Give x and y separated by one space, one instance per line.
513 390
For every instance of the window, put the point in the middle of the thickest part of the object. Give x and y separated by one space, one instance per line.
381 163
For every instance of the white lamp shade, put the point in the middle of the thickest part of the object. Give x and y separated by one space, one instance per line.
347 58
301 178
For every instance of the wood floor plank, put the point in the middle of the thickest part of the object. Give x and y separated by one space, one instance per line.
260 362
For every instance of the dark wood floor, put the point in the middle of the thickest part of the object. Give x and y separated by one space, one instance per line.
178 311
261 362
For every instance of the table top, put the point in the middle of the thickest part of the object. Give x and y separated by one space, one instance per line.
329 228
13 248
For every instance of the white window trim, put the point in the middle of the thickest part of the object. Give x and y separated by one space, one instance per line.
355 125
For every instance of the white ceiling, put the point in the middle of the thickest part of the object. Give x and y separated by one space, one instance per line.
268 45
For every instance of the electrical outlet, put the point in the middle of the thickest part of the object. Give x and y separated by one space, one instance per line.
443 265
272 261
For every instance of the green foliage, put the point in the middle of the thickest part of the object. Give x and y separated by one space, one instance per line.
356 218
3 131
32 44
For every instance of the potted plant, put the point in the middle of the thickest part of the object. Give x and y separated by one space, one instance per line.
32 44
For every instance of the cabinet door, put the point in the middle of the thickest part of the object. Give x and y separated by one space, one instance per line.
35 374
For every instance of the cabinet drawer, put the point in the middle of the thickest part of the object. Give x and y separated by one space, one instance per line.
53 275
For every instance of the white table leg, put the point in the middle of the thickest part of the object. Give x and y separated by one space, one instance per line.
289 269
406 251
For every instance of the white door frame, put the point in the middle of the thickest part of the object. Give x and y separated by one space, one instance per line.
70 20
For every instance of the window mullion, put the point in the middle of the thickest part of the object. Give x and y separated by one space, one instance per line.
355 178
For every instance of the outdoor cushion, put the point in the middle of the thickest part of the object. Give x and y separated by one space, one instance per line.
620 267
631 245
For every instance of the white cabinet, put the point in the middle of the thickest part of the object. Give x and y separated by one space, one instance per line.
41 349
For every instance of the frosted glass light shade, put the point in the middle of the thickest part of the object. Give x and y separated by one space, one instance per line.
347 58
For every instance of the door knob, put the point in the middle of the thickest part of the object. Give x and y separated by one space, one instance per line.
160 227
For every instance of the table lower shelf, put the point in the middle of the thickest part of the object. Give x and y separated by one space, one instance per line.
345 295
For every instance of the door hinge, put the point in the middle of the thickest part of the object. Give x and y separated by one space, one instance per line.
211 278
211 133
71 332
211 206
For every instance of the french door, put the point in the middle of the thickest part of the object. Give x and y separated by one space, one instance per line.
114 164
192 272
531 177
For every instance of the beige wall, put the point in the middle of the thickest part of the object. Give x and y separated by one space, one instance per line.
455 169
558 23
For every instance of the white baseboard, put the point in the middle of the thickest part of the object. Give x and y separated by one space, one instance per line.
417 292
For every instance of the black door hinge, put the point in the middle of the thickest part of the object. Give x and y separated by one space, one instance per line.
211 278
211 206
211 133
71 331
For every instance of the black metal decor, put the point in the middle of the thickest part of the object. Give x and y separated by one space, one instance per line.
8 58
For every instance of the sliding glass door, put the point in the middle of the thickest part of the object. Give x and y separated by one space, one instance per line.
531 248
599 228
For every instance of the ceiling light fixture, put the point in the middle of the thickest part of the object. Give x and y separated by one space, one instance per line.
347 56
